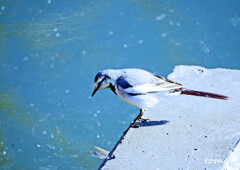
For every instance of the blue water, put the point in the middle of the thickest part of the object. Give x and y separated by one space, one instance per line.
51 51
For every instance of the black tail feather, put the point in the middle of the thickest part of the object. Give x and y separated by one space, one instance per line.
203 94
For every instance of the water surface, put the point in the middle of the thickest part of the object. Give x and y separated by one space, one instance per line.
51 51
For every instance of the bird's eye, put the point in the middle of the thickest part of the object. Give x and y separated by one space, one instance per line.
104 79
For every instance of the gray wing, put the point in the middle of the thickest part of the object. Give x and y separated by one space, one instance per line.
138 77
137 81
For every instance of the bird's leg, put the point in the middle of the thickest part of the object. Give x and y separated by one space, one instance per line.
142 119
137 118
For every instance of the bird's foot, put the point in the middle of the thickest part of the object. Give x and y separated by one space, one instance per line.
136 126
143 120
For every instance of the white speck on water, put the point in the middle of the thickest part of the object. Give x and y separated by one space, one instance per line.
174 42
3 8
177 44
120 13
52 136
98 123
55 29
95 115
124 45
84 52
178 23
58 131
2 142
171 23
51 147
44 132
4 152
67 91
74 156
38 145
49 1
33 129
123 122
48 35
98 111
31 104
160 17
163 35
206 50
110 32
98 136
52 66
235 21
25 59
57 34
140 41
109 142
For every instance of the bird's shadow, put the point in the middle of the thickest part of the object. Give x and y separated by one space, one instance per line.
150 123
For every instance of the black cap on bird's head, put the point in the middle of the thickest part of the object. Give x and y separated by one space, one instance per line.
99 74
101 82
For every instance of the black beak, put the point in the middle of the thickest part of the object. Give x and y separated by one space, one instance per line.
94 91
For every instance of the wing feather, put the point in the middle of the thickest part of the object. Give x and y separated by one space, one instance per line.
152 88
143 82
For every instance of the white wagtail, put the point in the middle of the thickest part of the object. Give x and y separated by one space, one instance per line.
136 87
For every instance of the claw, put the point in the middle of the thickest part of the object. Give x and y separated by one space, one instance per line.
143 120
137 126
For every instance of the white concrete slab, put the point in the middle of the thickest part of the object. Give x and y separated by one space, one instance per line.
200 132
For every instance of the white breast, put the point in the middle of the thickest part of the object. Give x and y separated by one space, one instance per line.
140 101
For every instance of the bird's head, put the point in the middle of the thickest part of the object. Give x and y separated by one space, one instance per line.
101 81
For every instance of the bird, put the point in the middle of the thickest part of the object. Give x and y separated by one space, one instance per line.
137 87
